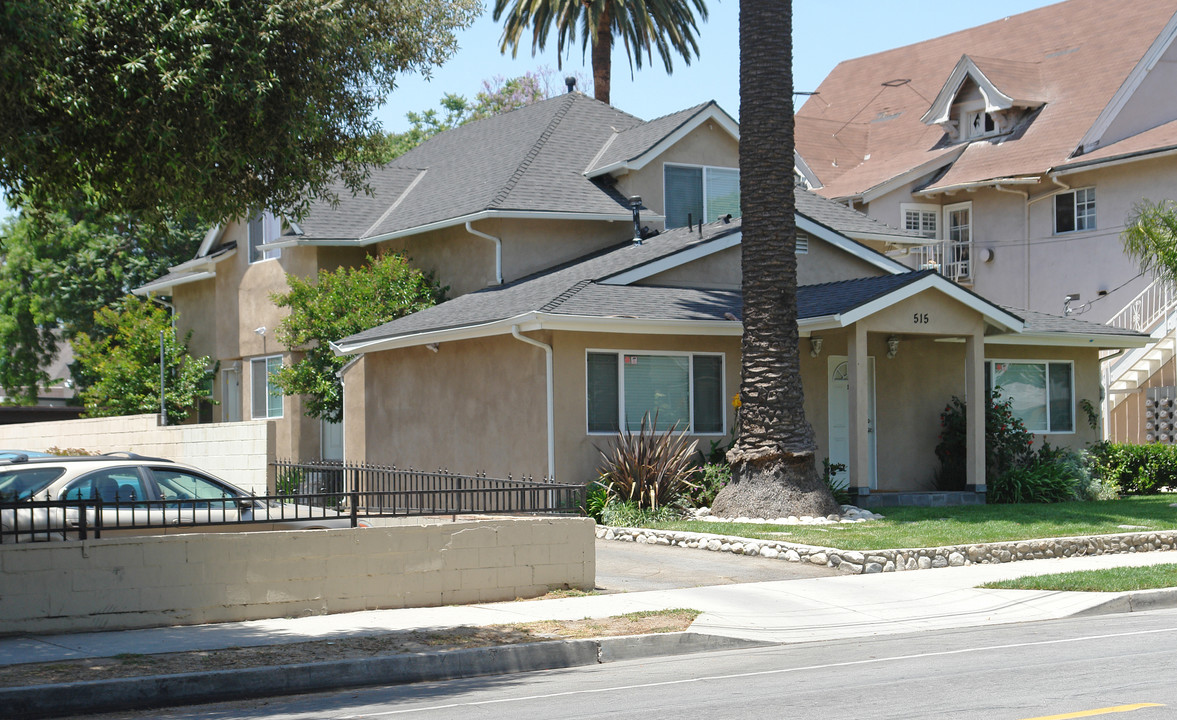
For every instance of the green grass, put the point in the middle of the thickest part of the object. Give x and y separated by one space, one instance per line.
962 525
1111 580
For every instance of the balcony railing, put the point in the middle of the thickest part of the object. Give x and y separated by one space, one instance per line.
1147 309
953 260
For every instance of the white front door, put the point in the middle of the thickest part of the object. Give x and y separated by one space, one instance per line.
839 408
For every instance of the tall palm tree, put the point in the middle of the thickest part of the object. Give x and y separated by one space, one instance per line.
773 470
666 25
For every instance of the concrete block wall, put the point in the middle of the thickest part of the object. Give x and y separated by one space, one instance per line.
134 582
238 452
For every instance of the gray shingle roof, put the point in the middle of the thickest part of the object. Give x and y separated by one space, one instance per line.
836 298
631 143
529 159
841 218
1038 322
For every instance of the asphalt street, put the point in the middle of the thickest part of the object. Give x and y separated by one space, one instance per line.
1078 667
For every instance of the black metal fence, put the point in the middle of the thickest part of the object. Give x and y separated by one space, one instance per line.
319 494
381 490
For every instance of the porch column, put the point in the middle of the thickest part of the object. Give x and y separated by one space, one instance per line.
975 408
856 369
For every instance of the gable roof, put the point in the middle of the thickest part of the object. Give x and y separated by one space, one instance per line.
863 129
632 148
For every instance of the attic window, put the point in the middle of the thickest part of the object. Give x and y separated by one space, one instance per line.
978 123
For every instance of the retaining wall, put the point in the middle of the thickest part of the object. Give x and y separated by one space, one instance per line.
238 451
134 582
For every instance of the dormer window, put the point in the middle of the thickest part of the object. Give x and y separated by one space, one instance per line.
985 97
977 124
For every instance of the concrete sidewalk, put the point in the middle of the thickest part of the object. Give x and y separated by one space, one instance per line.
781 611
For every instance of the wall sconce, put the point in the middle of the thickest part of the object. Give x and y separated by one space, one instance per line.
815 346
892 347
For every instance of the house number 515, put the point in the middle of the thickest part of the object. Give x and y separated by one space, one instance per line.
919 318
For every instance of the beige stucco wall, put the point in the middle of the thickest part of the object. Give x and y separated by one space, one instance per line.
118 583
237 452
473 406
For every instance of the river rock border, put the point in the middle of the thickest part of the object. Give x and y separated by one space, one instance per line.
875 561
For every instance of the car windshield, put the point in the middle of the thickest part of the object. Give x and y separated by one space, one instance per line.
23 483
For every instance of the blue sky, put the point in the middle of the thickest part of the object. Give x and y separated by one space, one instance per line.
825 33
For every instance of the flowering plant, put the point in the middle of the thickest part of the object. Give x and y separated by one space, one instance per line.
1008 444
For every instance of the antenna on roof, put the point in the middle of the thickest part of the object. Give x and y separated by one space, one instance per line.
570 81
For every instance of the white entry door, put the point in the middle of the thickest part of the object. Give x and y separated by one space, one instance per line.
839 408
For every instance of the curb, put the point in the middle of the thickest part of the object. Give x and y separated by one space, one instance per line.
1136 601
46 701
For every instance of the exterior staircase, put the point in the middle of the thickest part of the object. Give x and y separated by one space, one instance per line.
1153 311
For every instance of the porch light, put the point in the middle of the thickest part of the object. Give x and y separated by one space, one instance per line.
815 346
892 347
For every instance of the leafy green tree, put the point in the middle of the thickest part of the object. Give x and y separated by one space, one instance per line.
1150 236
216 107
666 25
773 468
124 362
59 265
341 303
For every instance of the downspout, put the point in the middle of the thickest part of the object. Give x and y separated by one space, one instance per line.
498 250
1026 226
551 388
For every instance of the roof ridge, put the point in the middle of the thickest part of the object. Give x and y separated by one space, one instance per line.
563 297
501 196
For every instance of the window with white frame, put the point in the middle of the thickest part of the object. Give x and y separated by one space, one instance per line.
265 395
680 389
264 228
695 192
922 218
1074 210
958 230
1041 392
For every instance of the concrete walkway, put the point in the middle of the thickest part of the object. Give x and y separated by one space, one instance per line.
780 611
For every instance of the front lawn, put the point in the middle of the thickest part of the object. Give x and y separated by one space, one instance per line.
1121 579
911 527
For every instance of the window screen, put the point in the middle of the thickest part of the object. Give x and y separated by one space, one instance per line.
684 195
602 392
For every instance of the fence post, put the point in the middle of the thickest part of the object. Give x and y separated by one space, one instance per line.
355 497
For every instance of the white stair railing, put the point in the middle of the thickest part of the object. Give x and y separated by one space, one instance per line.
1148 308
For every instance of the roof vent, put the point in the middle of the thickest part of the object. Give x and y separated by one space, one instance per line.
570 81
635 204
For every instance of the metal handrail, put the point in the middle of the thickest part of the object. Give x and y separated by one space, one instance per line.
1150 306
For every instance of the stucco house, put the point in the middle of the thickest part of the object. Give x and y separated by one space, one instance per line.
579 307
1018 149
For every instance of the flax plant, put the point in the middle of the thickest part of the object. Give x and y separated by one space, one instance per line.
649 468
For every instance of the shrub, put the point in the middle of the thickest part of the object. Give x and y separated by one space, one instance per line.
628 514
1135 469
840 489
1050 475
596 497
1007 442
710 479
649 468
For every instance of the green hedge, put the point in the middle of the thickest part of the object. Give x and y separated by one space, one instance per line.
1136 469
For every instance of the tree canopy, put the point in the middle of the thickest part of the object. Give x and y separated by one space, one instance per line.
1150 236
124 362
668 26
213 106
338 304
61 264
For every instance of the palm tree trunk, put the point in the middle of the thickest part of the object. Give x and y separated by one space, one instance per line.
603 55
773 469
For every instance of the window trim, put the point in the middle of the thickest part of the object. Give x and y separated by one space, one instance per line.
690 387
934 209
252 408
1046 363
1074 193
703 179
270 224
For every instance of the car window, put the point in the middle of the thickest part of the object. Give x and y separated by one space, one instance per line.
120 484
183 485
23 483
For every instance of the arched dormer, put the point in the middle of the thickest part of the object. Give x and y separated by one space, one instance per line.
985 97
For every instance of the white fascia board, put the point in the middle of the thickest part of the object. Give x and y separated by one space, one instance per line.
890 239
1128 88
1079 166
1029 180
711 112
802 167
210 238
888 186
530 322
154 287
1101 342
992 313
808 326
682 257
202 262
843 243
462 220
